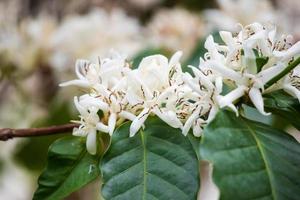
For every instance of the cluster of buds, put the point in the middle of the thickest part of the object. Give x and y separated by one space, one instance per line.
114 92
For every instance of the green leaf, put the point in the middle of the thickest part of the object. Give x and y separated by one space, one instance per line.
285 106
253 114
251 160
69 168
195 143
147 52
157 163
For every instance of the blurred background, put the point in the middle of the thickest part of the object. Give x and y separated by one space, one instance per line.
40 41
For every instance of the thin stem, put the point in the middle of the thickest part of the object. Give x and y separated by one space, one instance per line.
289 68
8 133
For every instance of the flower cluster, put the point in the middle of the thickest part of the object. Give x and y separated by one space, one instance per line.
243 65
250 60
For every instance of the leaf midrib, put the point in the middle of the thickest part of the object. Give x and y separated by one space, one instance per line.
145 166
260 148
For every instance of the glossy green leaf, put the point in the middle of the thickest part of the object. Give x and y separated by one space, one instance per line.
251 160
285 106
253 114
157 163
69 168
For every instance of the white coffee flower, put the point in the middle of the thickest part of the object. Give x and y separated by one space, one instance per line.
150 85
88 124
206 104
107 72
106 83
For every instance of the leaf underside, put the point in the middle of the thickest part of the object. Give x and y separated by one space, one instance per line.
69 168
157 163
251 160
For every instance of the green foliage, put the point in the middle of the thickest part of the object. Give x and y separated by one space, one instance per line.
285 106
251 160
157 163
252 113
69 168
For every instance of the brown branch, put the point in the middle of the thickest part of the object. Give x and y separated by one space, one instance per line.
8 133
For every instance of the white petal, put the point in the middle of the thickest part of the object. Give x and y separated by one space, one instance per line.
272 35
224 71
101 89
197 130
78 132
267 74
78 83
169 117
204 79
211 46
166 93
189 122
137 84
127 115
257 99
79 107
79 66
219 84
212 113
91 142
291 52
112 123
175 58
231 96
102 127
189 81
154 59
138 122
227 38
292 91
95 102
234 109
